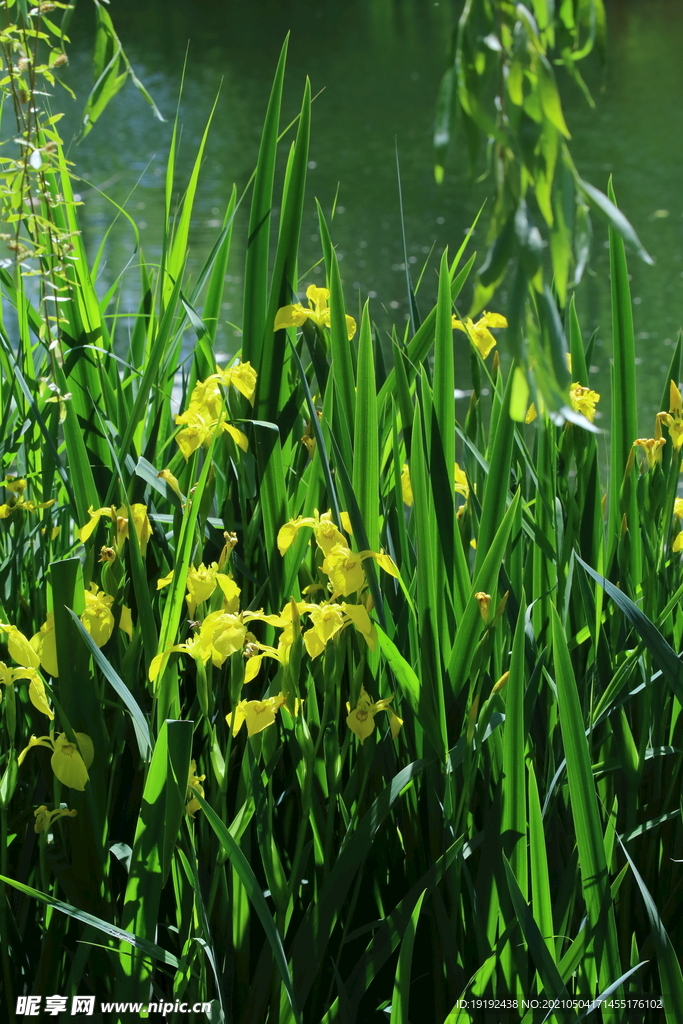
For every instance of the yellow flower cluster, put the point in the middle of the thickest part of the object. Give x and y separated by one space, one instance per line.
342 565
318 311
205 413
41 649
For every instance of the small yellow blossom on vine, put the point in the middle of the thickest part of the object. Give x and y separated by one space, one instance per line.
69 761
479 333
258 714
44 818
361 721
318 311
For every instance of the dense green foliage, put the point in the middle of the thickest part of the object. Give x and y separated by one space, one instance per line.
517 835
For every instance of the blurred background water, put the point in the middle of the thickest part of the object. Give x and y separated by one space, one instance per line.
376 65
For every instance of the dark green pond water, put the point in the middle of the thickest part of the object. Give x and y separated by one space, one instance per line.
378 64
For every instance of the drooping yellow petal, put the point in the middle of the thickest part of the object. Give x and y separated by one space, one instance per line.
242 376
19 647
290 316
126 621
167 476
38 697
492 320
252 667
69 762
231 592
327 534
350 326
363 623
95 515
164 582
35 741
361 722
384 562
287 533
346 523
395 723
238 437
44 643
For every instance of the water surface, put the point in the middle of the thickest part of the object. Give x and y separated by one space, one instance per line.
375 65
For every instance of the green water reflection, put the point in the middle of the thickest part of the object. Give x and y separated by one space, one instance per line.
378 63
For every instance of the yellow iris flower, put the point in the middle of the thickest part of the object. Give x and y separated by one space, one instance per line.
204 413
241 376
97 618
201 584
220 635
678 512
36 687
258 714
328 618
16 487
674 417
460 484
194 785
361 721
324 529
69 761
345 570
479 333
318 311
141 523
44 818
652 446
583 400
